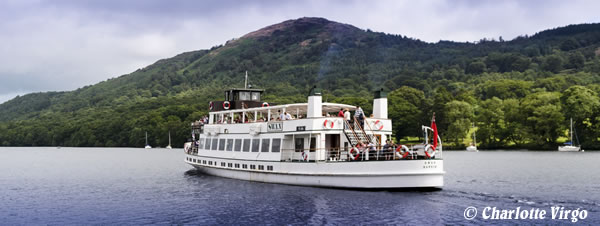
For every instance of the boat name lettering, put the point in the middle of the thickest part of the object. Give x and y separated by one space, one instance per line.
429 165
300 128
274 126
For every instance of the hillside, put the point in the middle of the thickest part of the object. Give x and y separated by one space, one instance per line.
348 63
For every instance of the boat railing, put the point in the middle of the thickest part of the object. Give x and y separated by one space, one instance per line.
336 154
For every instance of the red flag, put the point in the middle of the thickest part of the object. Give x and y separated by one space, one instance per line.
435 132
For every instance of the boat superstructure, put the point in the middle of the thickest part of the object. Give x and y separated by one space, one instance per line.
303 144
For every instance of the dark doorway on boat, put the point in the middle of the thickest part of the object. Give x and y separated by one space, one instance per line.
332 146
299 144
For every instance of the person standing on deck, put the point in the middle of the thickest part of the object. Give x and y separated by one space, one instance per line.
281 115
341 113
347 116
360 115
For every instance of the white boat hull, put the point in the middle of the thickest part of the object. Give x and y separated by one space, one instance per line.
357 174
472 149
569 148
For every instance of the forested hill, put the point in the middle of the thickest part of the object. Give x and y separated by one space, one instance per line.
520 93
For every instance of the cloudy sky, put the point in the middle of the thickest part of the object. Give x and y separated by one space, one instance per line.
62 45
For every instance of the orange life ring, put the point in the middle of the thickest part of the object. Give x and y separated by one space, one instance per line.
210 105
380 123
226 105
265 104
429 153
325 123
352 156
400 149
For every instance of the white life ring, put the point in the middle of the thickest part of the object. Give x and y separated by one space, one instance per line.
429 151
187 146
352 156
226 105
331 123
378 125
210 105
265 104
402 151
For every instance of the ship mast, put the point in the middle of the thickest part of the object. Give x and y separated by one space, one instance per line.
246 81
572 132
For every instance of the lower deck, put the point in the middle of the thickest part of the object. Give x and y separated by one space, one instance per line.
355 174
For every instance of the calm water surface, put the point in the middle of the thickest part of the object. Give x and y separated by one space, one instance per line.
50 186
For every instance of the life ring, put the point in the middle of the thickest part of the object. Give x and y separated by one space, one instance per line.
378 125
332 123
187 146
304 155
404 149
210 105
352 156
429 151
265 104
226 105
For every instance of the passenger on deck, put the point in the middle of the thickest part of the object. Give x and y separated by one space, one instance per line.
386 149
360 115
341 113
281 115
370 148
347 116
288 116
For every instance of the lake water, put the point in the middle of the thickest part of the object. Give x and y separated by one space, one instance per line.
108 186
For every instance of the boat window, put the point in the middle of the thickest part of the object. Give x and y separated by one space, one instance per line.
244 166
299 144
229 144
215 142
244 95
261 167
265 145
229 165
255 145
238 144
237 165
246 145
255 96
313 144
201 143
207 144
276 145
222 144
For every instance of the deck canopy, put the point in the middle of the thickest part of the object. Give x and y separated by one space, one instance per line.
297 110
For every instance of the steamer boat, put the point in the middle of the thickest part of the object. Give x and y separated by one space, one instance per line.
246 138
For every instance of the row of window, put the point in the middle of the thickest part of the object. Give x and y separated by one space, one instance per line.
244 145
229 165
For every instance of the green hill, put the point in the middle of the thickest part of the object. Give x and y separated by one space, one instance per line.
492 82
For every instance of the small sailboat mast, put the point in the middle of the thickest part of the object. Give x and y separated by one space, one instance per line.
571 130
169 146
147 145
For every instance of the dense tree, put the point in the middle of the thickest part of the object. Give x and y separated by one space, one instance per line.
406 109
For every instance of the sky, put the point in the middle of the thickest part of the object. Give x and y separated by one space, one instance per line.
62 45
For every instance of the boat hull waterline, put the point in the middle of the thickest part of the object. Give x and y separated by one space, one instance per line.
358 174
